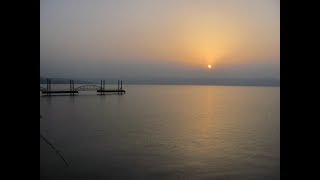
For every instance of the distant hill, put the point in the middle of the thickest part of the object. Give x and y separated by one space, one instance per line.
178 81
64 81
209 81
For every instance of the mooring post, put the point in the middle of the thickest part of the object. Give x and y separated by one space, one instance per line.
104 86
121 87
101 87
47 86
72 88
118 86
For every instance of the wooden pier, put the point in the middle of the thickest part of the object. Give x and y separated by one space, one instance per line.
101 90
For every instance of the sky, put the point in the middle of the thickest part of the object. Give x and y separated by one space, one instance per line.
160 38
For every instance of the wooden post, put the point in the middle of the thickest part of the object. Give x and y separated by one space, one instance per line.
72 88
47 86
118 86
101 87
121 87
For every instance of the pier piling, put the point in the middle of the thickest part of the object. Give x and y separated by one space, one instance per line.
121 87
118 86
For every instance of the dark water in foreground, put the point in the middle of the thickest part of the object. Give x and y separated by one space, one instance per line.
163 132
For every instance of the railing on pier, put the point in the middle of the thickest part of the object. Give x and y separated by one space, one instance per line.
100 89
42 88
88 88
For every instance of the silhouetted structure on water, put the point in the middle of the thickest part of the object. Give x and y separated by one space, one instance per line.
101 90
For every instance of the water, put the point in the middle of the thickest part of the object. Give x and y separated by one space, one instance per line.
163 132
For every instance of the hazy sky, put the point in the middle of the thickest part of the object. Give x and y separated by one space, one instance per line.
160 38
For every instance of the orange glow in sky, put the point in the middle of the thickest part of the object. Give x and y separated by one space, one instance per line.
189 33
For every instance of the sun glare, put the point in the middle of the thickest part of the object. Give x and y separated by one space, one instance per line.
209 66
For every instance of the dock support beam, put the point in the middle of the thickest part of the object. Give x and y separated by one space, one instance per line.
48 86
72 88
104 85
118 86
101 87
121 86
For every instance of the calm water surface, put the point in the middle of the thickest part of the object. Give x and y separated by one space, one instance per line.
163 132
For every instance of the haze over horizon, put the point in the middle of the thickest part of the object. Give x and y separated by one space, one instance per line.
144 39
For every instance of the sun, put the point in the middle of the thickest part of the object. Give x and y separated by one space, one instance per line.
209 66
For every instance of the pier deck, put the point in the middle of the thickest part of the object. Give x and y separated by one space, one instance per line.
112 91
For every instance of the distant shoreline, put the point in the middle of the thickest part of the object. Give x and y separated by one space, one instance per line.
185 84
268 82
